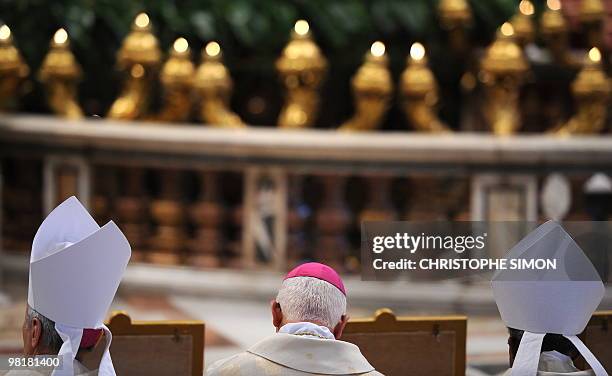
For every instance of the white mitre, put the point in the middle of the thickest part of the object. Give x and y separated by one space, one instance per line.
75 269
559 301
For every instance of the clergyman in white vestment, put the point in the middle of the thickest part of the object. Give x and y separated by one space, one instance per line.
75 269
309 314
546 309
556 357
40 338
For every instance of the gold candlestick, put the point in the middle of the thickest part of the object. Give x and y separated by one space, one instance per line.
522 22
592 14
555 32
214 86
420 93
138 57
13 70
591 90
302 68
455 18
503 70
372 88
177 80
454 13
60 72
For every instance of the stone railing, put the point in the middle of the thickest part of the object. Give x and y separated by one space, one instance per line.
209 197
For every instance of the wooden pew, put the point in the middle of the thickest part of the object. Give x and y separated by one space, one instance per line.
156 348
411 345
597 336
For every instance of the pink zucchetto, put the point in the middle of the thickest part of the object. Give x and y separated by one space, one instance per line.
320 271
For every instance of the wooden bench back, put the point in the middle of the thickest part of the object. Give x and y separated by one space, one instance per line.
411 345
156 348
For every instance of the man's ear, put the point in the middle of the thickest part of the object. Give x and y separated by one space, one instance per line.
340 326
35 335
277 314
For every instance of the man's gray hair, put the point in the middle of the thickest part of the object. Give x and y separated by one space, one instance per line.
50 339
312 300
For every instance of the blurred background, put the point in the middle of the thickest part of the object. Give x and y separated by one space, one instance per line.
252 35
232 140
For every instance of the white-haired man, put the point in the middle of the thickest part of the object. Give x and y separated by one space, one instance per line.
309 314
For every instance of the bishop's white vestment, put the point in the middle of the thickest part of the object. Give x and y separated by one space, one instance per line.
294 355
553 363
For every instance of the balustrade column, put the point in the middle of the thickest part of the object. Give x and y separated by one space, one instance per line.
425 200
297 216
104 189
232 256
234 250
169 213
66 176
379 206
131 206
209 215
332 220
22 209
459 199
